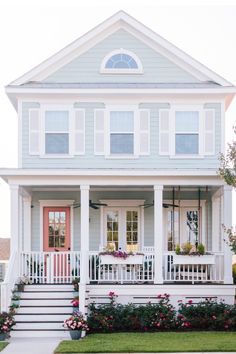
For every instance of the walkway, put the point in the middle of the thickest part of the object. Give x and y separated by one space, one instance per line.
31 346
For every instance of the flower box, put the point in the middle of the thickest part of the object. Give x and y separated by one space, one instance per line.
131 259
195 259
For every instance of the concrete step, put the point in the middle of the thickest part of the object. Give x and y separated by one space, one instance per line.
63 334
41 310
39 326
45 302
41 317
65 294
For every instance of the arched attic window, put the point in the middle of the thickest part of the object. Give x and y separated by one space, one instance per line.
121 62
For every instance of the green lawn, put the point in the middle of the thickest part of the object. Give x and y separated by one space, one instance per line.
3 345
151 342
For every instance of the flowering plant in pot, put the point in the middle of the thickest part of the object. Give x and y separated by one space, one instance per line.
75 301
76 324
6 324
24 280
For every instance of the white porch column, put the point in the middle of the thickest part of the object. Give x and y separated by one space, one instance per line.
14 215
84 249
158 234
216 224
227 212
27 224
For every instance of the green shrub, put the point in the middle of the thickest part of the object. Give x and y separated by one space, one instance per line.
201 249
207 315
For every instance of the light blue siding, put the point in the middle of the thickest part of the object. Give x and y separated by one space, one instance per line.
89 160
86 67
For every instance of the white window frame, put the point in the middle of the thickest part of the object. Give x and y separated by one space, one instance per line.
121 108
104 70
187 108
122 205
51 107
185 204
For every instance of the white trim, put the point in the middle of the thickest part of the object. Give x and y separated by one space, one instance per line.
222 127
55 203
104 70
19 133
118 20
123 202
57 107
187 107
121 108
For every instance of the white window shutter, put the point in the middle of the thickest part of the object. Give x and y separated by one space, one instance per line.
79 132
144 131
209 132
34 131
164 132
99 132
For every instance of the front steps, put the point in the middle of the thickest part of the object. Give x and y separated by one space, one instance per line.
43 308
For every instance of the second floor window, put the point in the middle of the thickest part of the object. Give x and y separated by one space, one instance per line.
56 132
186 132
122 132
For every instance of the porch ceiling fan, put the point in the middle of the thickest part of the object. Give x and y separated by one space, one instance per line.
92 205
164 205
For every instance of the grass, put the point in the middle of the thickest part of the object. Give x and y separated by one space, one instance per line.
3 345
151 342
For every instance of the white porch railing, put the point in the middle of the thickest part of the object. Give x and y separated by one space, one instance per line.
194 272
125 273
50 267
9 282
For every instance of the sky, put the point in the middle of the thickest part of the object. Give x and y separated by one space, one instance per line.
31 31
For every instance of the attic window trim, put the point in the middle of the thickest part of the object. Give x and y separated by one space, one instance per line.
138 70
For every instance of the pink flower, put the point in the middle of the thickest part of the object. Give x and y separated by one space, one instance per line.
190 302
213 317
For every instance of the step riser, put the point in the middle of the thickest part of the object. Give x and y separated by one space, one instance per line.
39 326
47 295
40 334
40 310
39 317
51 287
45 302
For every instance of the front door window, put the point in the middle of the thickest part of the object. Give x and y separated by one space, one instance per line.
122 228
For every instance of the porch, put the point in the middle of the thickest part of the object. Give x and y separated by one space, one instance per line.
137 215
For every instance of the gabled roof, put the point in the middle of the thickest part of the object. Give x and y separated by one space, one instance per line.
120 20
4 249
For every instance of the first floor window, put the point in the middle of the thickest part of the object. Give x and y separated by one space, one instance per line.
122 132
186 132
56 132
122 228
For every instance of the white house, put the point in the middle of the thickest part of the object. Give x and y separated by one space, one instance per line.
119 138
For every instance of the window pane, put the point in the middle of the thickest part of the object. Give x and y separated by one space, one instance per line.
122 121
186 143
56 121
122 144
56 143
121 61
192 226
186 121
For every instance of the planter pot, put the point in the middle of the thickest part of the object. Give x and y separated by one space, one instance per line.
75 334
109 259
3 336
205 259
20 287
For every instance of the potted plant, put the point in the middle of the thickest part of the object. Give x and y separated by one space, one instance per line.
189 254
76 324
15 300
75 302
22 282
75 283
6 324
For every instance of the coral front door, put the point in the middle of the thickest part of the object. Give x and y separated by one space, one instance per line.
56 241
56 229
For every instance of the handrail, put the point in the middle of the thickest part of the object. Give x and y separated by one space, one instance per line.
9 282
